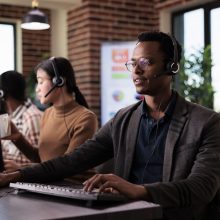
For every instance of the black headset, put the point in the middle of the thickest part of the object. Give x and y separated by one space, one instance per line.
57 80
2 94
172 66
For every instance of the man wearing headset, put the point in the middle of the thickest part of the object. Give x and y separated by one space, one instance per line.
23 113
166 149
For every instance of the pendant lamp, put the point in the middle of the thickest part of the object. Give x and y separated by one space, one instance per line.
35 19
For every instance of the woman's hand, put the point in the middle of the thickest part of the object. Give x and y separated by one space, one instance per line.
11 166
115 184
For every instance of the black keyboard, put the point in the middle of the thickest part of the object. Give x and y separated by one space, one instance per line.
73 192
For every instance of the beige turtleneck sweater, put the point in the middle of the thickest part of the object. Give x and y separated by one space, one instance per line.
64 128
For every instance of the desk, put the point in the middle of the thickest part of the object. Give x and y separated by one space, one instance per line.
24 205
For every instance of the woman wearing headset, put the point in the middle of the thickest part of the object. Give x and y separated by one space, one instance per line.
67 123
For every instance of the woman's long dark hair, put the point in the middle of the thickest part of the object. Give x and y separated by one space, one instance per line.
65 70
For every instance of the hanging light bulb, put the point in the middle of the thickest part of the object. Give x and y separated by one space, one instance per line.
35 19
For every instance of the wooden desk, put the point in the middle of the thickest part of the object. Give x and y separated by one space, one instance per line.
31 206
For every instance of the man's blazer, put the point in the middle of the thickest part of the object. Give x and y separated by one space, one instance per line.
191 167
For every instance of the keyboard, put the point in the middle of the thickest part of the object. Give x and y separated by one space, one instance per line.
73 192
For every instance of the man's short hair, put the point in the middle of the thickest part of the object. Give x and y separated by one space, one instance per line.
166 43
13 84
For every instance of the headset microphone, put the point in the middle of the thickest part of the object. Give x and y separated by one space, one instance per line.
50 90
159 75
168 73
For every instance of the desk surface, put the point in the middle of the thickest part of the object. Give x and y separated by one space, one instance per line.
24 205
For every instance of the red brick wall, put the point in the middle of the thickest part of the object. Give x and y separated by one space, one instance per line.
35 44
96 21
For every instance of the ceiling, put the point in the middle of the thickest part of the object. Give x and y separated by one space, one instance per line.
50 4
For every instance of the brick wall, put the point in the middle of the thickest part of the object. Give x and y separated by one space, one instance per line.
35 44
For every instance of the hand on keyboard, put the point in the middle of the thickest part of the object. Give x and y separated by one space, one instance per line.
113 183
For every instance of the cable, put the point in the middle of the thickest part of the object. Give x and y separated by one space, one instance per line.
64 117
155 139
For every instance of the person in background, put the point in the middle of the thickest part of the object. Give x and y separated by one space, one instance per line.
23 113
65 125
166 149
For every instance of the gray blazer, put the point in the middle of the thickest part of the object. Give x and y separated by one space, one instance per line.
191 170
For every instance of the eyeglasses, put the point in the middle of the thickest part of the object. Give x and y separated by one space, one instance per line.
141 62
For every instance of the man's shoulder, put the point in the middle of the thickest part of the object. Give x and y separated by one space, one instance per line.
129 109
197 110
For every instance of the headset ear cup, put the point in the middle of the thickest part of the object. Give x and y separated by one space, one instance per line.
173 65
175 68
1 94
58 82
172 68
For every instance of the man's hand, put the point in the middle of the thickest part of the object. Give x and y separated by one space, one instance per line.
115 184
6 178
11 166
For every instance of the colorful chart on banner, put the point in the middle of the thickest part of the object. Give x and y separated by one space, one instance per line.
117 87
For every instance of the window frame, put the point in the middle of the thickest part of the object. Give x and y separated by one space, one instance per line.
207 16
